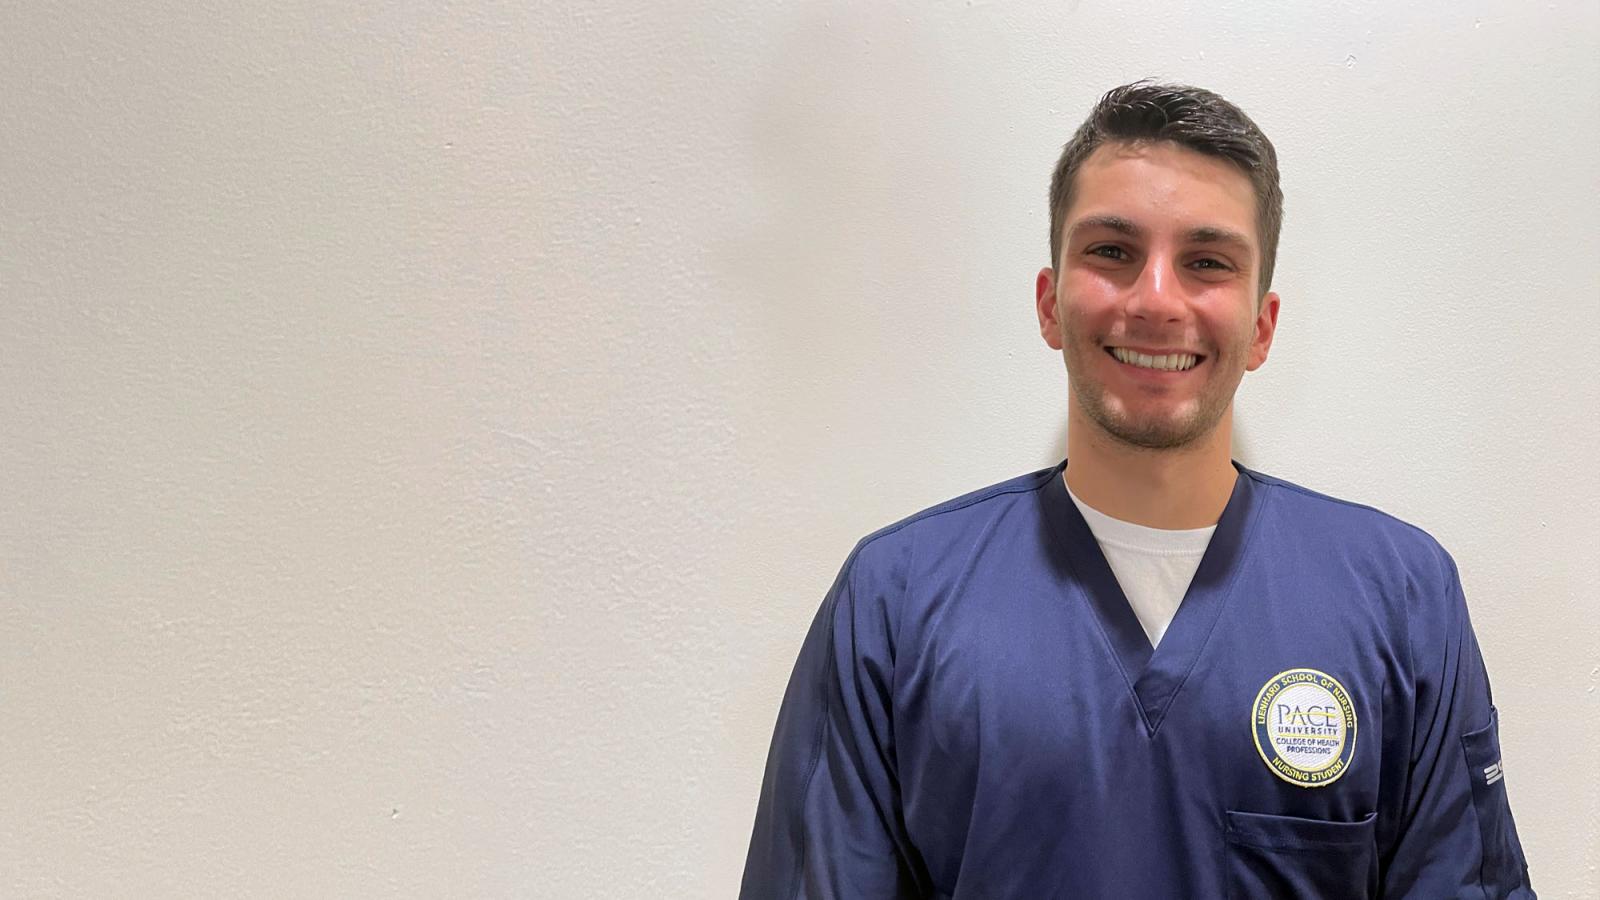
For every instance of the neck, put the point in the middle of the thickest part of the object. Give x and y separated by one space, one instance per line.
1184 487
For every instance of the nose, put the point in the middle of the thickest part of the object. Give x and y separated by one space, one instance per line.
1157 296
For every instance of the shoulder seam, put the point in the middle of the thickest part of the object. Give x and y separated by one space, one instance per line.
1038 480
1270 481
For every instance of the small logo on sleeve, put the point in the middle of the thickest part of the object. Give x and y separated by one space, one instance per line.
1305 727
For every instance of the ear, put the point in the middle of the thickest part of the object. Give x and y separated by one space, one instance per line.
1266 326
1045 305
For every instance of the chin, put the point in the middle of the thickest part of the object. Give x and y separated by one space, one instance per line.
1156 432
1149 436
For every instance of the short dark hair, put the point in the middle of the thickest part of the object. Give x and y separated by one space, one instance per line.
1191 117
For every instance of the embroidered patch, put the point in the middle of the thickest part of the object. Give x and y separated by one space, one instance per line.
1305 727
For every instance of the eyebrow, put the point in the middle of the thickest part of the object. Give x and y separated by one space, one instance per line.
1203 234
1207 234
1111 223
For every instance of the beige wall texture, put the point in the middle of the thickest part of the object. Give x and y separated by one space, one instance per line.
427 429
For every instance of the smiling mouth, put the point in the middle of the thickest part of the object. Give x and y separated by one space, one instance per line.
1167 362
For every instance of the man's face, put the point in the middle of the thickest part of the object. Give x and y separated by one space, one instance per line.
1158 272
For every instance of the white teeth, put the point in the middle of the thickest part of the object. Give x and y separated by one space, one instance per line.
1171 362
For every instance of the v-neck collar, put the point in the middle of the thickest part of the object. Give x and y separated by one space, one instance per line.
1154 675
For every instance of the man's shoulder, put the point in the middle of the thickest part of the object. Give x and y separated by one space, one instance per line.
1312 505
1340 524
958 517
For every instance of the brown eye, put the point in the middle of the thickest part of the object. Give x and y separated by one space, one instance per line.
1108 251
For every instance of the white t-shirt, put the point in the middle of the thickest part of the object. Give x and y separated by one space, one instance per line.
1153 565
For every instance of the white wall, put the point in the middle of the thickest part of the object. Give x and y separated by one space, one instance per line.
429 428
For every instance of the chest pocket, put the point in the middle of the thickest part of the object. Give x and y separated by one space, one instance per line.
1283 857
1503 867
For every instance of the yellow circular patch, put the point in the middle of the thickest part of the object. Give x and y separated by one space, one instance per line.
1305 727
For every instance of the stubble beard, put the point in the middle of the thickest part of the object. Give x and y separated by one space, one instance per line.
1148 432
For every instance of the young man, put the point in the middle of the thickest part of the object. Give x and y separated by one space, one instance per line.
1146 671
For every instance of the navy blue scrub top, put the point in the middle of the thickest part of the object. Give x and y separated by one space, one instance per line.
977 713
